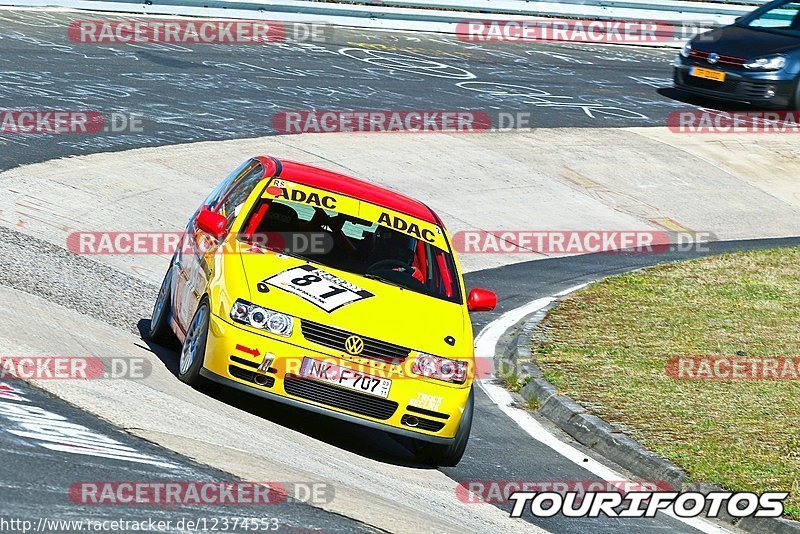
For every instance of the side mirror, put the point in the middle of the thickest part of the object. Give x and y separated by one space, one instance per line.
211 223
481 300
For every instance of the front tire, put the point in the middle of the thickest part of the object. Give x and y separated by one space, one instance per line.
160 328
193 352
794 103
449 455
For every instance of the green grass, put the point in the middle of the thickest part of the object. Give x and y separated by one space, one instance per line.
511 382
607 347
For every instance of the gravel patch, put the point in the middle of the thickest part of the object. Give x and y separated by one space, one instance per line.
91 288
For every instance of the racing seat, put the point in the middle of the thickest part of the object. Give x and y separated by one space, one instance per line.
394 255
272 218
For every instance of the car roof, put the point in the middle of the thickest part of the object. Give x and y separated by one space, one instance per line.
348 186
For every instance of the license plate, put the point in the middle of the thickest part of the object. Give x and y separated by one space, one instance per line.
708 74
348 378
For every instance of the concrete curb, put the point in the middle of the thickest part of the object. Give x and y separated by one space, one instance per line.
594 433
411 16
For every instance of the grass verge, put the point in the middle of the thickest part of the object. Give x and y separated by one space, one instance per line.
608 347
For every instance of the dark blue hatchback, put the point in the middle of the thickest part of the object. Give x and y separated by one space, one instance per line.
756 60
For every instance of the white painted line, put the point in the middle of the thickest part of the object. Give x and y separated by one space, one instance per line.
57 433
486 342
571 290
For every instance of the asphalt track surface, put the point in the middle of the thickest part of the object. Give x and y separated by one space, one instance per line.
214 92
36 480
222 92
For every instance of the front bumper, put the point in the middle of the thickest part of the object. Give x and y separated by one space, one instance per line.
750 87
436 407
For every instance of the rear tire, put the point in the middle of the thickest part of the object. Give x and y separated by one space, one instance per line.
449 455
160 328
193 352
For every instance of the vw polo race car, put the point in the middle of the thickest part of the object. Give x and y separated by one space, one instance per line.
755 60
327 293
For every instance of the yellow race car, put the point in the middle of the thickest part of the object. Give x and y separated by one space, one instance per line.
327 293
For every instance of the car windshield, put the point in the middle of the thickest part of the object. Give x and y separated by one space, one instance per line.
781 18
354 245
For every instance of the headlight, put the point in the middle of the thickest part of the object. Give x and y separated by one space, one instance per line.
262 318
429 366
687 49
767 63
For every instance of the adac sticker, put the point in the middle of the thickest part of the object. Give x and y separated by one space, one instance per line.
317 198
320 288
422 230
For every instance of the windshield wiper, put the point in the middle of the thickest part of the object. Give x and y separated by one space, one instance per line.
384 280
274 250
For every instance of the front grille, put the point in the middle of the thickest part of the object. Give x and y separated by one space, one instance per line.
429 413
728 86
424 424
748 89
344 399
723 59
250 376
334 338
242 361
254 365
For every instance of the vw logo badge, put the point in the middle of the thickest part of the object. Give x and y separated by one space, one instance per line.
354 345
713 58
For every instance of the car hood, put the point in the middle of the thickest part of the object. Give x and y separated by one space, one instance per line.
745 43
388 313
